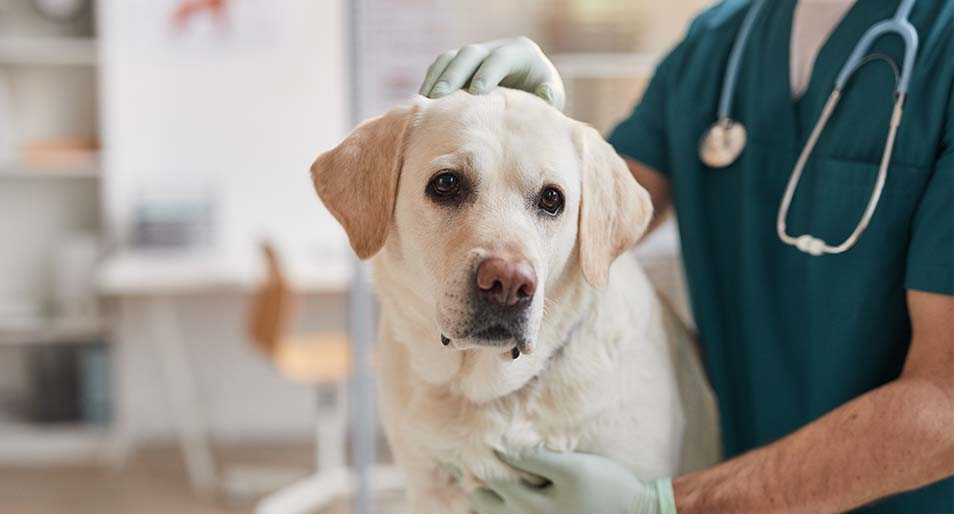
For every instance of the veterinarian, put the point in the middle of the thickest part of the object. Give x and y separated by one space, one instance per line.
832 354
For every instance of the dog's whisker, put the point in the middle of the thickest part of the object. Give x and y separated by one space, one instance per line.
549 306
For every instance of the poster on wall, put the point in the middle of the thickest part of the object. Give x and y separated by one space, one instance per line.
201 25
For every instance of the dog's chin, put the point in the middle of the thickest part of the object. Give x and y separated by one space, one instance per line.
494 335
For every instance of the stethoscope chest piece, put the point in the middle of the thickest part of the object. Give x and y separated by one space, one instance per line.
722 143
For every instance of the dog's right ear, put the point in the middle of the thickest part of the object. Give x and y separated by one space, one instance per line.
357 180
615 210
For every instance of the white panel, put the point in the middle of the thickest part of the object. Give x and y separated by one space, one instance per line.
239 106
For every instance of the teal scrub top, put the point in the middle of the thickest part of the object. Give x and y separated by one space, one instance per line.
787 337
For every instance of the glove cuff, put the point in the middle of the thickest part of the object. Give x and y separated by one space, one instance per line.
667 500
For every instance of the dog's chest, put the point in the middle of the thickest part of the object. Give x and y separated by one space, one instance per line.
464 454
601 407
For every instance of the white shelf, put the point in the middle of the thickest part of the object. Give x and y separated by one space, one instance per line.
52 331
47 51
60 172
38 444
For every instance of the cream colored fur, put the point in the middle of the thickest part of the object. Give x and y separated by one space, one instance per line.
611 370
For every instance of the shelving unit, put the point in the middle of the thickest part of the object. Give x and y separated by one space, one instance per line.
42 173
27 444
49 72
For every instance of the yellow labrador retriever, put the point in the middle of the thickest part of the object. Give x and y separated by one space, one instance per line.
508 318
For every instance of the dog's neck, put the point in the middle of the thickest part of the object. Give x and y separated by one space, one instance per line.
479 374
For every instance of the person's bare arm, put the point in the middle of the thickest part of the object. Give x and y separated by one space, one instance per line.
893 439
658 186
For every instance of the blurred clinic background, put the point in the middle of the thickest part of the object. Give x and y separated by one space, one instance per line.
174 301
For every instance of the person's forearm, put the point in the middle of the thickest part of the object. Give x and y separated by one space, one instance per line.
892 439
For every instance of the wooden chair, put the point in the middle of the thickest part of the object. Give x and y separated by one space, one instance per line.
322 359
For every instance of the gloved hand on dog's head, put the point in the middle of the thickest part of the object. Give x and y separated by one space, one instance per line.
516 63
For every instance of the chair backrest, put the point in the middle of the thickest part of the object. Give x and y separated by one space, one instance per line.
271 306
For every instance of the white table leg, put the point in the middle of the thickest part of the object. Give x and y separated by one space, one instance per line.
180 388
331 426
123 440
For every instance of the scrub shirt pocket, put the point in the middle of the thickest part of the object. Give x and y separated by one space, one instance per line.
842 189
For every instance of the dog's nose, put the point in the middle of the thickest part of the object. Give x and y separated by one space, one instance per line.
506 282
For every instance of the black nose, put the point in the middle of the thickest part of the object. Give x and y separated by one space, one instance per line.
506 282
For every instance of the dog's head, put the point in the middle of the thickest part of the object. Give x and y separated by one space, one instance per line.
489 203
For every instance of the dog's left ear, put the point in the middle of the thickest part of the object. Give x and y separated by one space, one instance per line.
357 180
614 209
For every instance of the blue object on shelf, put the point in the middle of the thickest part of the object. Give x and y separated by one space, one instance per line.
95 384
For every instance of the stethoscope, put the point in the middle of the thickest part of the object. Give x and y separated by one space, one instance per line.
725 139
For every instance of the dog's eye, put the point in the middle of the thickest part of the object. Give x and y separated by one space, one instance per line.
444 186
551 201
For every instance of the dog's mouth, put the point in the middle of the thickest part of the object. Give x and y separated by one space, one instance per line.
493 334
498 336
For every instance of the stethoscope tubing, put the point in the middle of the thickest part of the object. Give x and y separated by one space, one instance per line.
814 245
735 59
899 25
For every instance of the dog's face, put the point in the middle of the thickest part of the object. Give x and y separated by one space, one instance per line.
489 203
487 208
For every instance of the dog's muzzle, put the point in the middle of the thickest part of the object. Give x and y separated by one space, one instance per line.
501 295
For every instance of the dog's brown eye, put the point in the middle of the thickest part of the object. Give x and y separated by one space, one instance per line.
444 186
551 201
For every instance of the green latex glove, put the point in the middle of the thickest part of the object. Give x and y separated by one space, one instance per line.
577 483
517 63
